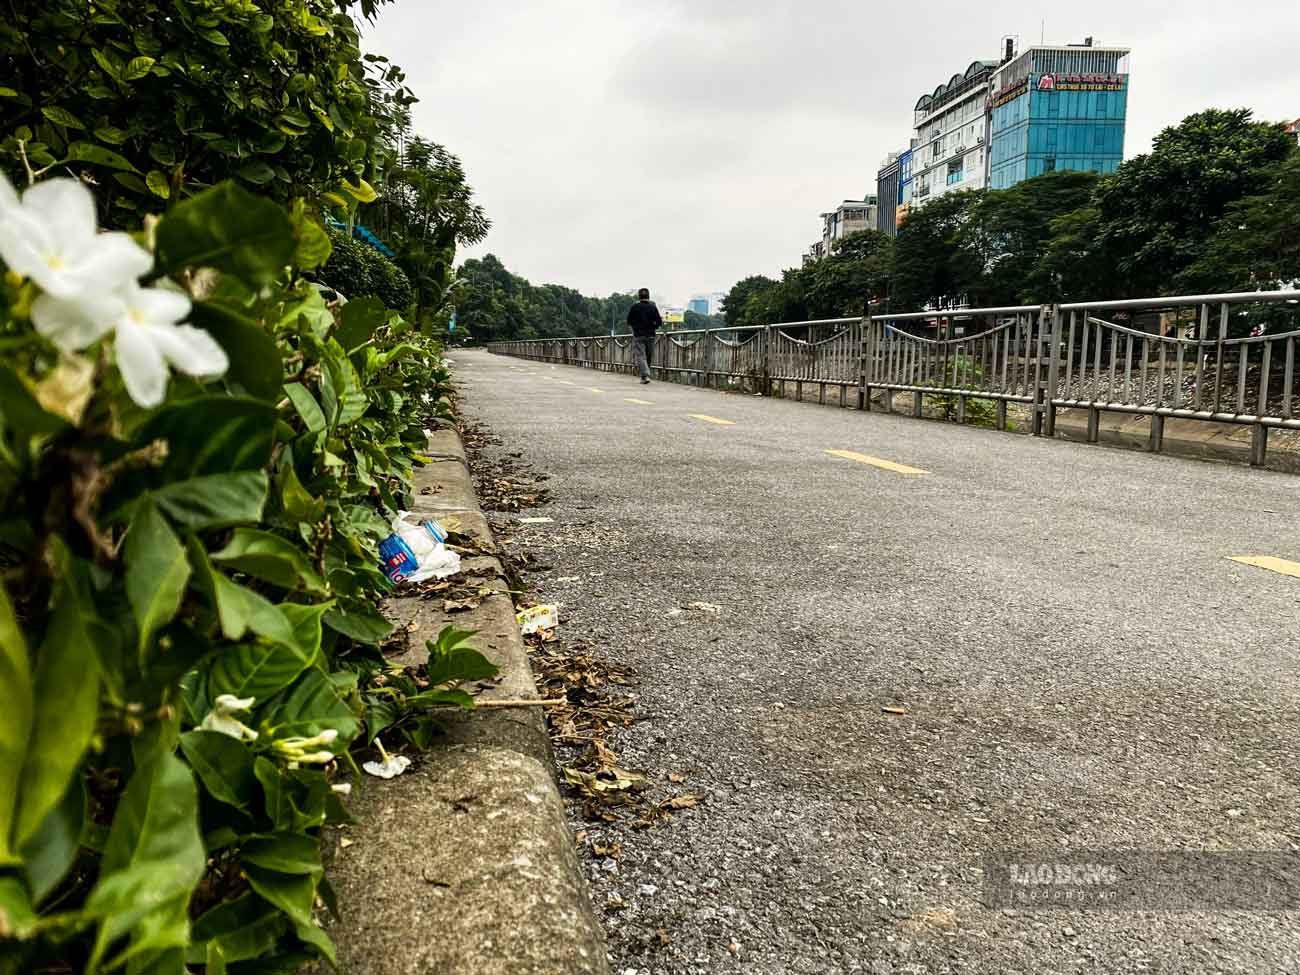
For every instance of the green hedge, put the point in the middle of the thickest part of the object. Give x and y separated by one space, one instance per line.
358 270
189 631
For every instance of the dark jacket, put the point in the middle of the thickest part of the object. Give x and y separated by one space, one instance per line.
644 318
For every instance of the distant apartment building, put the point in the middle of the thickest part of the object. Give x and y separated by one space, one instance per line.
894 187
1294 129
847 218
1054 108
887 193
950 129
1048 107
698 304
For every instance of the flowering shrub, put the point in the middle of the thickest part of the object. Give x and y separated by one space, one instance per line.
196 458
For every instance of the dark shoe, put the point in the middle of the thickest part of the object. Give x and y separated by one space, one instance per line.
645 382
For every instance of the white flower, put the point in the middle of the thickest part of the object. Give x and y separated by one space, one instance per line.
394 765
50 236
390 766
220 719
343 788
146 335
295 748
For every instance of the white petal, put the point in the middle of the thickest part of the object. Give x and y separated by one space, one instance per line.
66 207
228 702
72 323
107 262
159 306
141 363
24 243
191 350
8 195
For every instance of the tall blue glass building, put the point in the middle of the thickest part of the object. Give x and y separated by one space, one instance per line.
1057 108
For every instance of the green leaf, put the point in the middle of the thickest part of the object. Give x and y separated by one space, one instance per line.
342 395
294 894
254 357
305 403
214 37
310 706
137 68
243 929
257 172
230 229
66 706
362 627
132 182
88 152
61 116
442 697
292 853
15 721
270 558
260 669
17 918
21 410
152 862
156 571
212 435
53 847
362 192
110 134
358 322
157 183
451 658
215 500
110 63
224 765
314 245
297 502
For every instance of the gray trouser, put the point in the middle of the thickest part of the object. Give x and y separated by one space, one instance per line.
643 353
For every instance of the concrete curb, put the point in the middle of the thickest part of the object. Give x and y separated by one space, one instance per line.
465 864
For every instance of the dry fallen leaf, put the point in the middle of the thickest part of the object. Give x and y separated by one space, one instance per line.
890 710
681 802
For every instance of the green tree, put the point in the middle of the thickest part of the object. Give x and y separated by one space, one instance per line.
1158 209
158 100
856 272
1256 244
1011 231
736 307
425 210
934 260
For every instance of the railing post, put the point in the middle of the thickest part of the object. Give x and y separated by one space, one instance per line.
767 360
864 357
1258 445
1040 381
1053 373
709 380
1156 438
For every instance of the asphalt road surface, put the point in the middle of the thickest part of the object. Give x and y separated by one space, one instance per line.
1076 670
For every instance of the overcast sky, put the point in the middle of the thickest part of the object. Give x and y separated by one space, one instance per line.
684 145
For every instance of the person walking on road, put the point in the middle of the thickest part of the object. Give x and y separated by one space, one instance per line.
644 320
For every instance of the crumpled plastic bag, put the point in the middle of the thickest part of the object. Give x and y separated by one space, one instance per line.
414 553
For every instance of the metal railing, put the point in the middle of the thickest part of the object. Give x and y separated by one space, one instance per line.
1228 358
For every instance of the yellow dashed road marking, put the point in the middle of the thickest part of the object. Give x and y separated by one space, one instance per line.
1282 566
638 402
565 382
712 419
595 389
885 465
